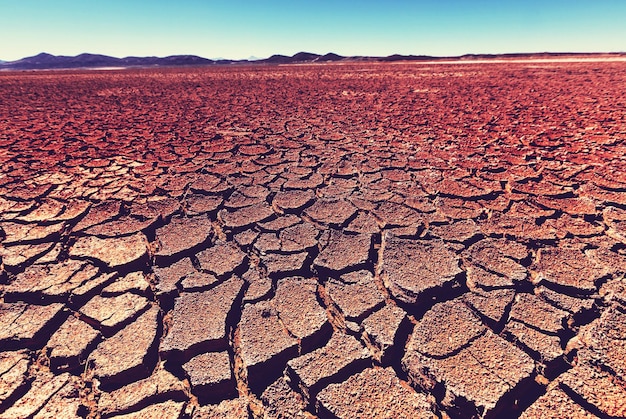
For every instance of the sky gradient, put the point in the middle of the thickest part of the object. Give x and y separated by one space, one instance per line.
240 29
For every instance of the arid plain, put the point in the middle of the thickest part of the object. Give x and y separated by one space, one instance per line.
353 240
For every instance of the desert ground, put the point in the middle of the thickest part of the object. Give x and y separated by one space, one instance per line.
355 241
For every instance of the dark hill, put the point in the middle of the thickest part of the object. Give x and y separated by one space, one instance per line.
398 57
48 61
304 56
276 59
331 56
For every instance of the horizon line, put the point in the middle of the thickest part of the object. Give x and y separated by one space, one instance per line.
498 54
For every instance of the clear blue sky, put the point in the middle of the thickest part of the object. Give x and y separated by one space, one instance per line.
239 29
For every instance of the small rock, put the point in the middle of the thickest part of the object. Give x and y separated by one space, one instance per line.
374 393
198 281
546 346
415 269
211 376
228 409
111 313
500 257
381 330
258 286
129 354
168 277
358 296
344 251
596 387
168 409
279 265
41 390
492 304
481 373
300 312
26 325
50 281
13 375
221 259
293 200
114 252
342 356
446 328
132 282
282 402
568 268
265 344
333 212
298 238
537 313
246 216
556 404
158 387
397 215
180 235
65 403
199 321
70 344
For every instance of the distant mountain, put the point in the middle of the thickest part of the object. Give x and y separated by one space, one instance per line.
303 57
276 59
172 60
300 57
398 57
331 56
48 61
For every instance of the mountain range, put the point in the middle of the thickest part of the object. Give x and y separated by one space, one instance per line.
46 61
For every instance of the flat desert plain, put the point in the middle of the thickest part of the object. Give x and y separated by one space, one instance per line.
355 241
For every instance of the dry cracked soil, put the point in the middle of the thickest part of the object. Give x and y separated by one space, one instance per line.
332 241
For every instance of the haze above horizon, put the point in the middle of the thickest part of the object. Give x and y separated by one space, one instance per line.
240 29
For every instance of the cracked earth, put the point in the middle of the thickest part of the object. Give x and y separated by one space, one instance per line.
347 241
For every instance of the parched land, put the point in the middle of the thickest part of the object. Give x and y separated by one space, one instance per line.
351 241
